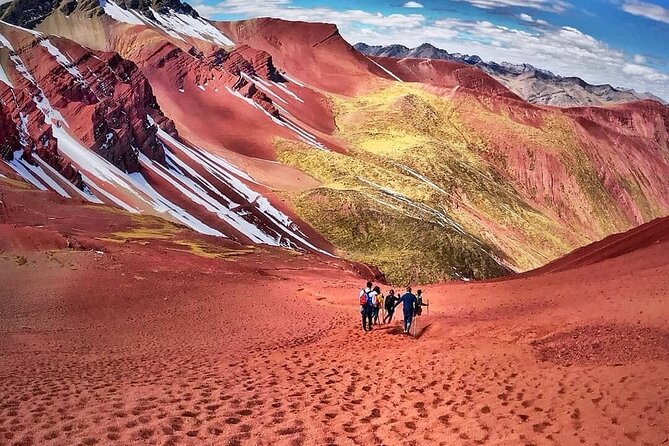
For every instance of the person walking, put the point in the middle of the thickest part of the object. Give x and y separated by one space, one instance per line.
390 302
418 310
408 301
378 304
366 297
419 303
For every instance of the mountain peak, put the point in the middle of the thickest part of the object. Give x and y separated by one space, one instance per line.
30 13
174 18
426 46
160 6
533 84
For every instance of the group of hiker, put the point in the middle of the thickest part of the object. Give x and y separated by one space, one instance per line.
372 302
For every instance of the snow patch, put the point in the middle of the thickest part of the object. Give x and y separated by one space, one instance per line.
19 166
21 68
386 70
26 30
117 201
228 175
293 80
4 78
85 194
64 61
438 217
253 104
263 86
46 179
23 129
51 115
302 134
163 205
5 42
288 92
134 183
119 14
435 215
191 26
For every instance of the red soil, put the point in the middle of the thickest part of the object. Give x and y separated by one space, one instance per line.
314 53
655 232
443 73
144 342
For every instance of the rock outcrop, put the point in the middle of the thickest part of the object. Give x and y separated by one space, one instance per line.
9 135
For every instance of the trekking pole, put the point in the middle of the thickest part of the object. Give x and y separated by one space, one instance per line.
415 322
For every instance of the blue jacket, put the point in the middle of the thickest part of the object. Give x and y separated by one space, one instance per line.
408 301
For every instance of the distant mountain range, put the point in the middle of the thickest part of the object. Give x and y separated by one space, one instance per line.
532 84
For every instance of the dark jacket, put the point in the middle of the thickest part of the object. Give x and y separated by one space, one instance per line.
408 301
391 302
419 304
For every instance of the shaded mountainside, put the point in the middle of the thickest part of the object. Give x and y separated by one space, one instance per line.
31 13
532 84
280 133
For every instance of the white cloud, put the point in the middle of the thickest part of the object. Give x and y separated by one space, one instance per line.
544 5
286 10
529 19
564 50
412 5
648 10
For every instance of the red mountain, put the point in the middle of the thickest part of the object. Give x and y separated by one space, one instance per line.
148 107
189 208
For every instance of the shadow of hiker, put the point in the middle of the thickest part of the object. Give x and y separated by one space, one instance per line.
422 330
395 330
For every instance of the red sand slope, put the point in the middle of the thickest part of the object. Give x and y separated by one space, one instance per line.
443 73
645 236
333 64
265 347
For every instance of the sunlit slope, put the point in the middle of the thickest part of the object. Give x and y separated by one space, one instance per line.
369 210
437 186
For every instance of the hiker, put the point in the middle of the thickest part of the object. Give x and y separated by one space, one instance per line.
390 302
408 301
378 304
366 298
419 303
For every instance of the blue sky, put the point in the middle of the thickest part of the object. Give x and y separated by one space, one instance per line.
621 42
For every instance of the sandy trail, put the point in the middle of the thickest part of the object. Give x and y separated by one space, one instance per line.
136 347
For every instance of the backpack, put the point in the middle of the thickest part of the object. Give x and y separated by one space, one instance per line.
371 299
363 298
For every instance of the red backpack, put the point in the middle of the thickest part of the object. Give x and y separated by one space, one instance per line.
363 297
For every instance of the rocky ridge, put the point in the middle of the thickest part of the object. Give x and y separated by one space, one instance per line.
533 84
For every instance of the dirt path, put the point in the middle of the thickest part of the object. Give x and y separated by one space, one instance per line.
129 347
